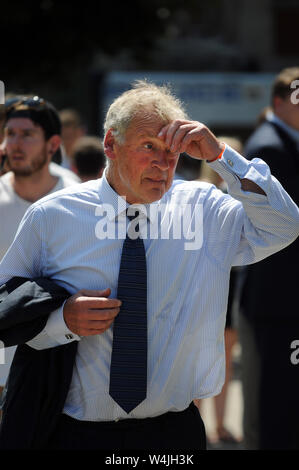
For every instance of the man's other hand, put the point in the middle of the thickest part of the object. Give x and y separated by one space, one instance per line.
90 312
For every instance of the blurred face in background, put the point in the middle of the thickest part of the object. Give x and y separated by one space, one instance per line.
26 147
70 134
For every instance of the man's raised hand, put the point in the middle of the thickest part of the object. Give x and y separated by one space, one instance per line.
191 137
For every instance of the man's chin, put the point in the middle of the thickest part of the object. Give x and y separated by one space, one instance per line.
26 171
22 172
156 194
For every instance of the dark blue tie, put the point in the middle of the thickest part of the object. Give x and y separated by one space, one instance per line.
128 370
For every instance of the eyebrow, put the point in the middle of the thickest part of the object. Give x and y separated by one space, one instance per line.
150 136
30 129
153 137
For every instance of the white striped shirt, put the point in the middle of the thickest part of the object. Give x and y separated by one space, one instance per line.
58 238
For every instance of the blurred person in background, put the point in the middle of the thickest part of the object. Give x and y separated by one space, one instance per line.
88 159
55 165
230 334
268 320
71 130
32 135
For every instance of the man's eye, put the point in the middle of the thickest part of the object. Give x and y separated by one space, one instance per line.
148 146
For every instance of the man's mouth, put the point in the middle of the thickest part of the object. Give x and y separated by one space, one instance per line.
156 180
17 157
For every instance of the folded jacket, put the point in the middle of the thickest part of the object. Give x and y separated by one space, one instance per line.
39 380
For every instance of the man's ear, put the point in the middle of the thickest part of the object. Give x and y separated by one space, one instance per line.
109 143
53 143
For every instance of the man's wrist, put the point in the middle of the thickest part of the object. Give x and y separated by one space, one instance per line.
219 155
57 328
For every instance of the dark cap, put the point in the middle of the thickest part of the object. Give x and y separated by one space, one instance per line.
41 112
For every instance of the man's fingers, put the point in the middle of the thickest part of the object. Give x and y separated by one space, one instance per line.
101 314
194 136
178 134
96 324
183 136
92 332
163 132
92 328
95 293
96 299
169 131
97 303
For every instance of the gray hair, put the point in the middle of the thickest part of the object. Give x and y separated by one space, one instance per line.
143 97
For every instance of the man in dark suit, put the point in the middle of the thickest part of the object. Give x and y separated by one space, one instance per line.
269 303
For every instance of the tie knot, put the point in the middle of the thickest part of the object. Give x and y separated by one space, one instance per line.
133 228
132 216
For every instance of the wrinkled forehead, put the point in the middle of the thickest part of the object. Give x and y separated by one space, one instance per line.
146 122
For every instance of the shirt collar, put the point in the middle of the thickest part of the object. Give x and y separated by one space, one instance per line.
293 133
117 205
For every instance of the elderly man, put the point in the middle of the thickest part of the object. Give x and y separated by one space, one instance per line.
146 304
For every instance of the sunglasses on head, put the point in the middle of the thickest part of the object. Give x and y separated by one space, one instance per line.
24 103
28 103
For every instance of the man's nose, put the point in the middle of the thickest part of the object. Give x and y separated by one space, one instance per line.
161 160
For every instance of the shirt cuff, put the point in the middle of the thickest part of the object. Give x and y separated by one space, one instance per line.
55 332
232 167
56 327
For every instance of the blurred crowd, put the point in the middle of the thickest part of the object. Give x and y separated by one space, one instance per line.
262 305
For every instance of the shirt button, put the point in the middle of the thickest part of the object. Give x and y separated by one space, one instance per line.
230 162
116 419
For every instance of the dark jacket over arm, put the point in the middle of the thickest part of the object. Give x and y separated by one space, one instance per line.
39 380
